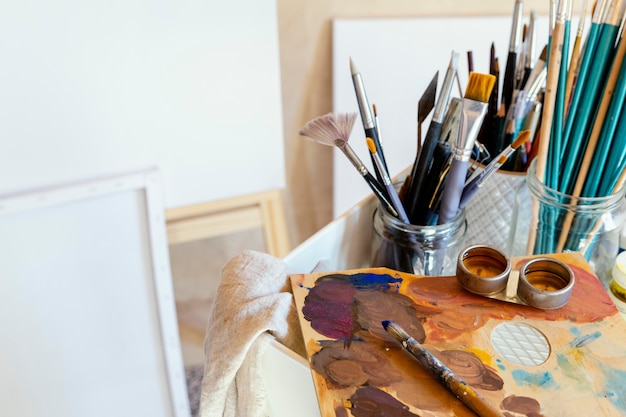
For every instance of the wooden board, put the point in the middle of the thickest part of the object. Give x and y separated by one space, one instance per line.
358 370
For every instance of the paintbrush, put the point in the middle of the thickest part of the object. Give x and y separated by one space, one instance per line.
521 60
473 185
424 160
377 124
574 60
366 116
514 48
494 69
334 130
451 121
391 191
474 108
424 106
531 46
549 99
453 383
583 116
597 147
552 77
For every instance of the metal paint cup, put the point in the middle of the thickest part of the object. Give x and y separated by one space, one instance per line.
483 269
545 283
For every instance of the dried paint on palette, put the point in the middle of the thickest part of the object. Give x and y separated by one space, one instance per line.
359 370
361 354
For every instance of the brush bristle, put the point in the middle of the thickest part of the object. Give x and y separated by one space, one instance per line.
371 145
328 128
395 331
479 86
521 138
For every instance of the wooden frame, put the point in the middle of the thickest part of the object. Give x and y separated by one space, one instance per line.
217 218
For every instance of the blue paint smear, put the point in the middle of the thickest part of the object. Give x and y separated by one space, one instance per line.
500 365
543 380
585 340
369 281
575 331
613 390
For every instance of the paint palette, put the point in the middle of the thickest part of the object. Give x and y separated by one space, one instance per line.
563 362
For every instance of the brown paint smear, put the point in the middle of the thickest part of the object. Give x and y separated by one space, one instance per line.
453 311
522 405
383 364
372 307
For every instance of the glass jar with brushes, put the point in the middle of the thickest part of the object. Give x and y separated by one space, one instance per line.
560 222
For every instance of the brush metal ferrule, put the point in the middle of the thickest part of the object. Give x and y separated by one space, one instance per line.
516 30
351 155
532 41
472 115
446 89
361 98
536 80
562 11
552 15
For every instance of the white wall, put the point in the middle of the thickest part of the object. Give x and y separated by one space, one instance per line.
97 87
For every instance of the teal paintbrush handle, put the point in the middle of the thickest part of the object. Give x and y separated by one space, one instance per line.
584 115
610 144
577 94
617 159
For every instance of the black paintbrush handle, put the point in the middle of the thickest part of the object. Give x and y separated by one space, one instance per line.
414 195
371 133
508 84
381 193
441 158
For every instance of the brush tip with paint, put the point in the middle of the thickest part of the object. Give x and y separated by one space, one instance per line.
371 145
395 331
521 139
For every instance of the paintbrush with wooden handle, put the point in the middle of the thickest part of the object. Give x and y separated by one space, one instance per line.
453 383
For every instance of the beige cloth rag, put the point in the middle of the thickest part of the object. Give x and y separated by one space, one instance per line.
253 304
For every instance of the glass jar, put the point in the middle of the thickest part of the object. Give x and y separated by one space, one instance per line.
564 223
420 250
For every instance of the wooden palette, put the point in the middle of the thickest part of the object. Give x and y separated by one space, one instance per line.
528 362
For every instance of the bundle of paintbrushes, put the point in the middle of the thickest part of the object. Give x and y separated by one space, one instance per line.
441 164
516 107
564 106
581 147
583 126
